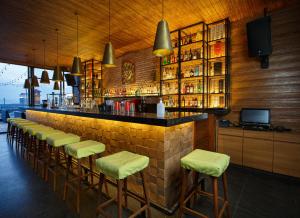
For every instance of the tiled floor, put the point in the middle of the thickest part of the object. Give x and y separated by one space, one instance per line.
252 193
3 127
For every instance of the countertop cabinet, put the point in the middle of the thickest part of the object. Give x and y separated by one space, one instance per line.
266 150
287 154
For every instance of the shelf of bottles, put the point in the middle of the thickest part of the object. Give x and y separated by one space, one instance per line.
217 74
182 76
195 75
146 89
91 82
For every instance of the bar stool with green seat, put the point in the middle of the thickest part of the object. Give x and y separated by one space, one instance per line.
15 128
119 166
209 163
55 143
9 122
21 130
33 144
41 155
79 151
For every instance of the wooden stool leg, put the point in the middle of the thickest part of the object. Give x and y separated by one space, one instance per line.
91 169
119 198
49 153
55 168
79 185
183 189
146 193
196 180
125 193
215 196
69 161
225 188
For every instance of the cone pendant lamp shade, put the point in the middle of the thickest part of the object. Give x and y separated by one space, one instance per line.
76 67
56 86
162 44
109 59
45 77
57 75
35 82
26 84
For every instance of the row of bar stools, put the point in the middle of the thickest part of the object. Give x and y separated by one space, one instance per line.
55 143
209 163
119 166
79 151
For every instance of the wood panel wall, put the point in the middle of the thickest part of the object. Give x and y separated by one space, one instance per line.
146 69
277 88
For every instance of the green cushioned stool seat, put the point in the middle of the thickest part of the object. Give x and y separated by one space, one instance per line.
84 148
17 123
33 130
43 134
58 140
13 119
122 164
26 127
207 162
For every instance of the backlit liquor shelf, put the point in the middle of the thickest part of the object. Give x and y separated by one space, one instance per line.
196 74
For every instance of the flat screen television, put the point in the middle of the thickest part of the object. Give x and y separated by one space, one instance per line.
70 80
255 117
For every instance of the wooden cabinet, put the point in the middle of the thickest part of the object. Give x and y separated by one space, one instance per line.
232 146
258 153
287 154
271 151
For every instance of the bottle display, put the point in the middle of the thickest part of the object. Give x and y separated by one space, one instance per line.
195 74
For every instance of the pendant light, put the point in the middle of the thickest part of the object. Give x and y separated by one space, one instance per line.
34 79
77 67
162 44
56 86
45 76
26 84
57 75
109 60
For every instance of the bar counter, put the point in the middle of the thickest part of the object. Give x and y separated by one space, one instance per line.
163 140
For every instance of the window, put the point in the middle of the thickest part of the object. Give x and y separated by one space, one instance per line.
12 79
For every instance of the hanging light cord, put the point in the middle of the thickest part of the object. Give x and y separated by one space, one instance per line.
162 9
109 20
57 47
44 54
77 33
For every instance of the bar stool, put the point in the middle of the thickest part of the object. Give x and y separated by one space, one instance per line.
15 129
119 166
33 144
41 151
79 151
209 163
21 139
55 142
9 123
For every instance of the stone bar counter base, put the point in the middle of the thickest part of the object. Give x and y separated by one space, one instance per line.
163 145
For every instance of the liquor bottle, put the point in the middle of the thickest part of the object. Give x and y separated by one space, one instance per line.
183 101
190 55
194 54
187 89
192 88
196 73
190 38
186 56
199 87
191 72
221 85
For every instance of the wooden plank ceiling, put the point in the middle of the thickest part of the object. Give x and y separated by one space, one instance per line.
25 23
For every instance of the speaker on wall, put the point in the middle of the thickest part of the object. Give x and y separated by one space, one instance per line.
259 39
